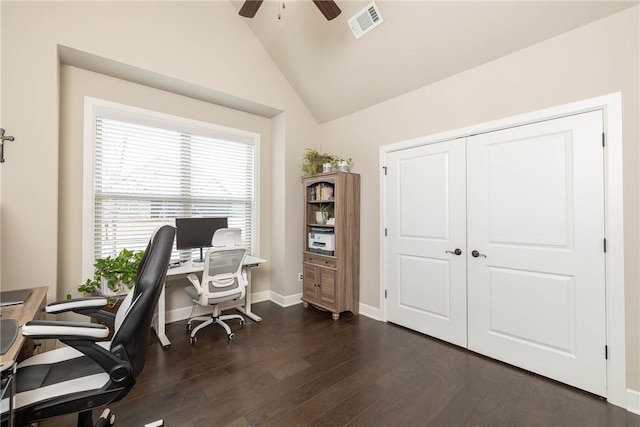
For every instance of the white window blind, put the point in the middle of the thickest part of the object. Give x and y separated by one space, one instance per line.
149 170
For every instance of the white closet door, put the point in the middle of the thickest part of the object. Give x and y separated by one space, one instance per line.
536 216
425 217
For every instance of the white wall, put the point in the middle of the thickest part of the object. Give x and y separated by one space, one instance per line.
597 59
204 44
0 125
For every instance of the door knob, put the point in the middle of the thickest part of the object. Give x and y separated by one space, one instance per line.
456 252
476 254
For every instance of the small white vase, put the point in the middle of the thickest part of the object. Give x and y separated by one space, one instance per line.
321 217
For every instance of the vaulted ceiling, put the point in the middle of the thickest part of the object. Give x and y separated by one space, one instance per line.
419 43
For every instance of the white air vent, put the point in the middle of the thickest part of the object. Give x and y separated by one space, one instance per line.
365 20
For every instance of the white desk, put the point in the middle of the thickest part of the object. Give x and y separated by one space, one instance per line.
195 267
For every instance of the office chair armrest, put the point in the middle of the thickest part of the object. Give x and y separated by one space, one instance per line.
90 306
195 282
47 329
83 337
75 304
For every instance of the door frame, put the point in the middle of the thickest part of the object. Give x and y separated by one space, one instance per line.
611 106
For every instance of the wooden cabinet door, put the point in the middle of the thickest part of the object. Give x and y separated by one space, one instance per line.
309 281
327 287
319 286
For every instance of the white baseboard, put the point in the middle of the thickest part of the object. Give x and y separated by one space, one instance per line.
287 301
633 401
371 312
260 296
365 310
183 313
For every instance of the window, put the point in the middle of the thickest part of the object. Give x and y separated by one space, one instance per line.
144 169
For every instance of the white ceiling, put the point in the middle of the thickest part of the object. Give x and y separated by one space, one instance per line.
419 42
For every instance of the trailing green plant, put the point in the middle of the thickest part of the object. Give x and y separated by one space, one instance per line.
119 273
313 160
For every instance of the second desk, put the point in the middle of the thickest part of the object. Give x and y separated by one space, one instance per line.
191 267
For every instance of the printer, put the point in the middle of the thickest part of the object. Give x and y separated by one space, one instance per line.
321 241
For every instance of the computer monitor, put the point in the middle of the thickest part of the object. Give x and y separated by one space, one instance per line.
196 233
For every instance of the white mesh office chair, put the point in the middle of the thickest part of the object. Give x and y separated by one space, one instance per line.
222 280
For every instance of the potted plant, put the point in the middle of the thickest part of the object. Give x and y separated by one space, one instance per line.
322 214
113 276
341 164
313 160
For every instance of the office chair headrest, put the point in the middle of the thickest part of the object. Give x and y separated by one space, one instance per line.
227 238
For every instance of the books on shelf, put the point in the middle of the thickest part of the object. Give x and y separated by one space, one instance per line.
322 192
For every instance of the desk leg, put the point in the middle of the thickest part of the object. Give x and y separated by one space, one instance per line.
246 310
159 320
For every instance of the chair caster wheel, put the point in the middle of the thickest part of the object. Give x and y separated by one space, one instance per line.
242 322
230 336
193 340
189 327
107 418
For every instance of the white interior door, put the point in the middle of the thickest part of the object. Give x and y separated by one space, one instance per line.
536 292
425 218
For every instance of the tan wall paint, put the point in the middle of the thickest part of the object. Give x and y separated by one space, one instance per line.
75 84
633 313
597 59
0 125
278 222
202 43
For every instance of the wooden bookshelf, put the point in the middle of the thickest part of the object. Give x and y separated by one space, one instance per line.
331 275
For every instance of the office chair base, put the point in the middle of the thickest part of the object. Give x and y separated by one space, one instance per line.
218 320
85 419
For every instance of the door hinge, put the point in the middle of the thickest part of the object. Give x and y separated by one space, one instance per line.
606 352
385 293
385 232
385 170
605 245
603 139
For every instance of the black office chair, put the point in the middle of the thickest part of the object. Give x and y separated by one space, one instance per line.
89 373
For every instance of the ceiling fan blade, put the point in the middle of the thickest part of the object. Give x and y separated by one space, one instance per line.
329 8
249 8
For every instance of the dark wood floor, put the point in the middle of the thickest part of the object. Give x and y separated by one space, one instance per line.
299 367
